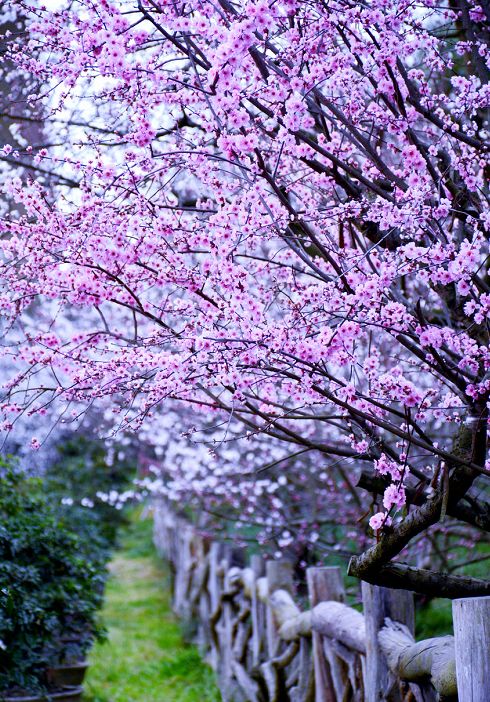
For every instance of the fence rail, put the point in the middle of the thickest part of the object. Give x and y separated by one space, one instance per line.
264 648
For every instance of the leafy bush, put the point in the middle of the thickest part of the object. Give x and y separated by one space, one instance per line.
49 593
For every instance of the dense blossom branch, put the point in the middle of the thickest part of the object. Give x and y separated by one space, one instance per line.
281 214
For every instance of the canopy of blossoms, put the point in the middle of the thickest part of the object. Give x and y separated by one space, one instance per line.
277 209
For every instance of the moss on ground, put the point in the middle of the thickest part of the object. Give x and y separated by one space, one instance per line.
144 659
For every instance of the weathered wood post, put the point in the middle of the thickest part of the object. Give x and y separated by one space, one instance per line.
380 603
185 535
214 580
471 620
257 610
204 603
225 672
214 590
279 577
324 584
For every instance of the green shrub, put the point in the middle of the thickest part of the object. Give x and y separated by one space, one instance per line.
49 592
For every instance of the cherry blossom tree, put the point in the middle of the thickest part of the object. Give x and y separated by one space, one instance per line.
274 210
253 489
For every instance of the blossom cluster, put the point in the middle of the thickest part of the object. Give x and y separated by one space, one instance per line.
276 211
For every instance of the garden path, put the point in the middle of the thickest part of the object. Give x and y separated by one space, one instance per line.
144 659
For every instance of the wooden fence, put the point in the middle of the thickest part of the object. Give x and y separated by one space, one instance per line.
265 649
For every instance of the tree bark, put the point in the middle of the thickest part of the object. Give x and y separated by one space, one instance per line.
400 576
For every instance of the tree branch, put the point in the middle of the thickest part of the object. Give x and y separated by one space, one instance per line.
401 576
478 515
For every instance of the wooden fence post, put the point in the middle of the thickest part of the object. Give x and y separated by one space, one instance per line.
185 535
324 584
279 577
204 602
380 603
257 610
471 620
226 638
214 590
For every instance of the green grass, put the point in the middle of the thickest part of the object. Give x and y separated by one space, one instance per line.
144 659
435 618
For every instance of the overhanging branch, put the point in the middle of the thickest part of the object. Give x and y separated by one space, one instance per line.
401 576
478 515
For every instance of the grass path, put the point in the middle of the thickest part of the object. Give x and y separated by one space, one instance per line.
144 659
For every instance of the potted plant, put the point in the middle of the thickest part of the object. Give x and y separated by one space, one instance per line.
47 591
68 674
68 658
67 694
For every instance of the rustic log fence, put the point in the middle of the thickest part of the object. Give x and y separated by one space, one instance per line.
265 649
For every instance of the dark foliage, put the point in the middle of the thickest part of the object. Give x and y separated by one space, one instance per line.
49 590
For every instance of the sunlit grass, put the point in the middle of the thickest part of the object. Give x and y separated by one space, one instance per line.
144 659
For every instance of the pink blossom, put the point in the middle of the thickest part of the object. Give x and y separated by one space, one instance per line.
271 216
379 520
394 496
